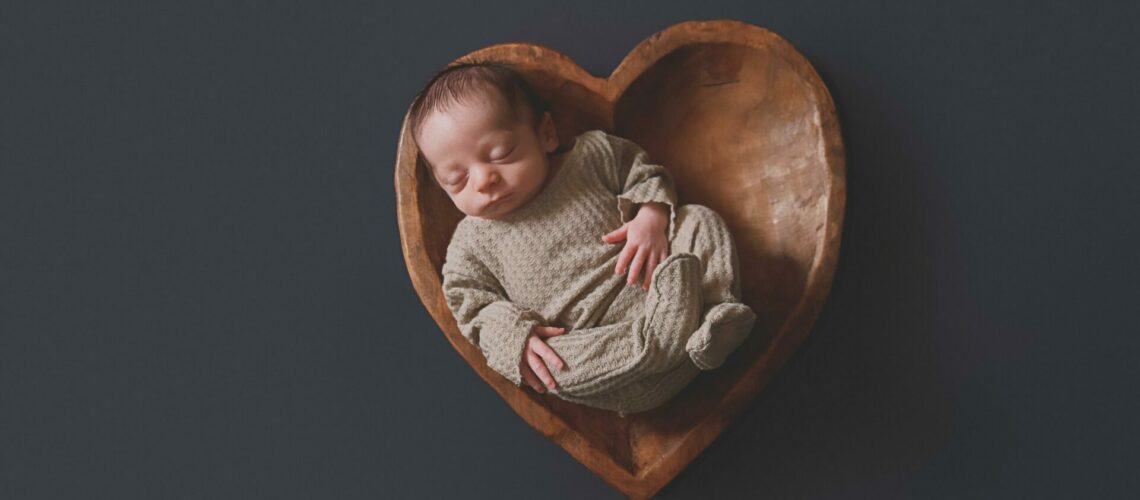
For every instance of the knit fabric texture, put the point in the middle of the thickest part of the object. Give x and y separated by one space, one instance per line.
626 349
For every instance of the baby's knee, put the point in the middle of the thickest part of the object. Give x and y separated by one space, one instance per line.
700 215
698 222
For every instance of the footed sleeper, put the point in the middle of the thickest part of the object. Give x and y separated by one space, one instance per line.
626 349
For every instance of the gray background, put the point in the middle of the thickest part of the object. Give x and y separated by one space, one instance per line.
202 293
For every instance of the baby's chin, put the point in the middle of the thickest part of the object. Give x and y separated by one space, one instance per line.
484 216
502 209
492 214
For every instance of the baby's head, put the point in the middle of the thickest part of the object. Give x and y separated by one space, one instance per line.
486 137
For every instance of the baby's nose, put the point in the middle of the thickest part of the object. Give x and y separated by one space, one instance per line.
486 180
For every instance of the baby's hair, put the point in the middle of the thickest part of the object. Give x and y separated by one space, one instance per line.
468 79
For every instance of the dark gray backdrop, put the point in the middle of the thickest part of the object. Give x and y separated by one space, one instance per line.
202 293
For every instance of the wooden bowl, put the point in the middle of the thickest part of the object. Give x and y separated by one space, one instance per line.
746 127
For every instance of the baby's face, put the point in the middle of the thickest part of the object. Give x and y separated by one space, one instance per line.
488 161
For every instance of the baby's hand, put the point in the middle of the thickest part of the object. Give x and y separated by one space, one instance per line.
647 243
532 366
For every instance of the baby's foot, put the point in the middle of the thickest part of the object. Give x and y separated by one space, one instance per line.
672 309
725 327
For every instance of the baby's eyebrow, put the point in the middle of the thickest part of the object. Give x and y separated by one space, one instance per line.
495 138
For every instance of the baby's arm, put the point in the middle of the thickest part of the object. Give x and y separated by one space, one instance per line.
509 336
646 202
637 181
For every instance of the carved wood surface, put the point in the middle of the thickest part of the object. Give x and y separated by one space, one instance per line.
746 126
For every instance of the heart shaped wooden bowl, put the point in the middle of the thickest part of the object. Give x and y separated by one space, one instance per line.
746 127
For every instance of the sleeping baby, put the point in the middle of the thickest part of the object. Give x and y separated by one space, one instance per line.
574 270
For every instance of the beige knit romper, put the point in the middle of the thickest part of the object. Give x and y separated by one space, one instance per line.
626 349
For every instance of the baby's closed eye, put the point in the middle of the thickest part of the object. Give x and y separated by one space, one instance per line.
503 156
455 179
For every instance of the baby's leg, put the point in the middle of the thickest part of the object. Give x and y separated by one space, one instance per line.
726 322
645 393
693 319
601 359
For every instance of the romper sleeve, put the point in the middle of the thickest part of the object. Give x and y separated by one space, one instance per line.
636 180
484 314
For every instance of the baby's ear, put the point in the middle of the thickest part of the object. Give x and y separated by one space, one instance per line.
547 133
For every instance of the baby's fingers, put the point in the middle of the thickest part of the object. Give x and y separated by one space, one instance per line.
623 259
638 261
539 368
653 261
548 354
530 379
617 235
548 331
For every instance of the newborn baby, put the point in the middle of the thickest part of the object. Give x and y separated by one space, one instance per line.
574 268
